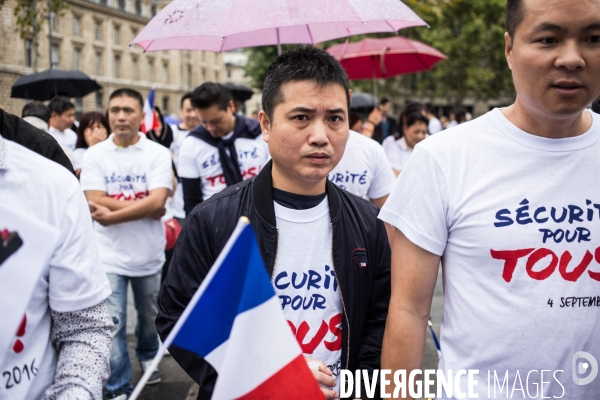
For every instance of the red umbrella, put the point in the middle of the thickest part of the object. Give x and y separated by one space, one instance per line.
384 58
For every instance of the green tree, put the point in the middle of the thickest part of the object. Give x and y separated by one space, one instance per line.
469 32
31 15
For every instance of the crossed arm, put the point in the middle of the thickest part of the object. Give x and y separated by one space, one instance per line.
414 272
108 211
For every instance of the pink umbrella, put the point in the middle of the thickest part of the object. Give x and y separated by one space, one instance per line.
232 24
384 58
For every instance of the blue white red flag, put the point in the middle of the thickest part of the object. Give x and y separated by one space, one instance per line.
235 322
150 118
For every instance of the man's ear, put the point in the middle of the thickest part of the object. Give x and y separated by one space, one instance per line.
231 106
265 124
508 46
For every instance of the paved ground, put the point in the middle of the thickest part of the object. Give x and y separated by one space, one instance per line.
176 385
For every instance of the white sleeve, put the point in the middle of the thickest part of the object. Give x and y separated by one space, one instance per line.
187 167
91 177
383 176
161 175
418 204
77 279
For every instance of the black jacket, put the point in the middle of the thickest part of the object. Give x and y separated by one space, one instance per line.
378 131
358 236
22 132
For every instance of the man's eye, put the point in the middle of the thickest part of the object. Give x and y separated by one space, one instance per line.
301 118
548 41
336 118
594 39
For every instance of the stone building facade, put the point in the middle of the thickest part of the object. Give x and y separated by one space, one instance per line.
93 36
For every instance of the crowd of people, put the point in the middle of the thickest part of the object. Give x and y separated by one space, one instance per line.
353 217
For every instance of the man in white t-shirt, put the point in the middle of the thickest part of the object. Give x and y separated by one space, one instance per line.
324 248
510 204
189 120
127 179
434 125
62 347
364 170
223 150
62 116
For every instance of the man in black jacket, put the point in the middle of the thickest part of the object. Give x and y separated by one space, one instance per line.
324 248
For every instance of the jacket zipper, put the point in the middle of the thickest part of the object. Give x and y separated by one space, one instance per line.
341 297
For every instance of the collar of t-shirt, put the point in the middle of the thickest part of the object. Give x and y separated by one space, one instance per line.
546 144
402 143
297 201
137 145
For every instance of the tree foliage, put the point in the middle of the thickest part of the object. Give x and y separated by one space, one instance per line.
469 32
31 15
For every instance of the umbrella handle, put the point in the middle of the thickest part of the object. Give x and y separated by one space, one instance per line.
382 60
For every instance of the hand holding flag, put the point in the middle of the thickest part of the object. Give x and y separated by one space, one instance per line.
235 322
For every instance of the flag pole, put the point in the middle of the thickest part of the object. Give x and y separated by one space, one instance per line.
242 223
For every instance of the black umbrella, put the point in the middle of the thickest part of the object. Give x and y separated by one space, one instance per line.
362 100
239 92
53 82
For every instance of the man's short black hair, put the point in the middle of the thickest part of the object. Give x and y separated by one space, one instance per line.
127 92
304 63
428 108
36 109
384 100
209 94
514 16
60 104
186 96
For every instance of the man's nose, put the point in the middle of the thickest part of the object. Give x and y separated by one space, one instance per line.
571 56
319 133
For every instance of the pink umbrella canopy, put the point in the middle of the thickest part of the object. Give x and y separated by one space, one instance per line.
221 25
384 58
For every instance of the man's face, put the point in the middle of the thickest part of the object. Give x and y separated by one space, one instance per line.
125 116
555 56
385 107
63 121
216 121
188 115
308 131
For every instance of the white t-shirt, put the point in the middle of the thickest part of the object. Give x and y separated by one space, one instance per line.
77 157
198 159
74 280
305 282
397 152
177 201
434 126
364 169
486 192
135 248
66 138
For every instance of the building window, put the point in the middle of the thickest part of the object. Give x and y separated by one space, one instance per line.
98 63
78 107
165 73
138 7
134 33
134 68
99 101
76 26
104 2
121 4
203 75
203 56
53 22
116 34
153 10
117 73
97 30
77 59
28 53
216 59
150 71
189 76
54 56
165 105
228 72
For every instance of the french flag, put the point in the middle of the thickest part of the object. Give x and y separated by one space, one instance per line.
150 118
235 322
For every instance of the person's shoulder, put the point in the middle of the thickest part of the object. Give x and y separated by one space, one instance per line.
36 167
98 149
460 135
388 141
362 206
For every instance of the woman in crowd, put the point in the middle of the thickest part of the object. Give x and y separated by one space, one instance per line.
399 147
93 129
